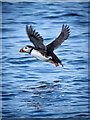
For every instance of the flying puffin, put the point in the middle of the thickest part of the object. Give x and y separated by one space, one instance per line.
42 52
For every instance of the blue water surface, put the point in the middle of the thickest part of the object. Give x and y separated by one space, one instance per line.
32 88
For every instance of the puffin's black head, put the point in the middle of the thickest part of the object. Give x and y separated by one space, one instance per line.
26 49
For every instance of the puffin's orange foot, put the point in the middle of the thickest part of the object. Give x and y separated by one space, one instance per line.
56 64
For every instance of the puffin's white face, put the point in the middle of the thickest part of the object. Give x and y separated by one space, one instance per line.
26 49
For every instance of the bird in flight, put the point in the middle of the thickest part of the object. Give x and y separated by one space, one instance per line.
42 52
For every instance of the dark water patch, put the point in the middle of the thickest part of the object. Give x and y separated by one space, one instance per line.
86 33
54 22
67 50
56 81
73 14
46 87
38 111
6 98
64 59
25 91
44 82
34 77
79 68
27 23
50 91
4 57
73 112
10 19
77 82
42 86
24 66
10 3
39 14
9 46
7 29
23 4
51 17
80 57
22 41
75 37
70 93
7 95
10 22
30 80
22 62
83 22
65 77
81 51
6 12
82 115
6 112
33 88
57 12
50 4
20 76
5 73
26 14
80 79
19 58
82 98
74 62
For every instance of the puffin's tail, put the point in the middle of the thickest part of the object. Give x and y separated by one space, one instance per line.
60 62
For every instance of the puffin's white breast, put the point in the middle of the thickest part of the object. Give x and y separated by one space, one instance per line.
38 55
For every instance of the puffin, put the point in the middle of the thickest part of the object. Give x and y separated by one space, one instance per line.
42 52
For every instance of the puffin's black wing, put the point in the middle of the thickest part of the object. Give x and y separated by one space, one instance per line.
60 39
35 38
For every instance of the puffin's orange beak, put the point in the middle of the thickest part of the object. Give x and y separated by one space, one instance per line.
22 50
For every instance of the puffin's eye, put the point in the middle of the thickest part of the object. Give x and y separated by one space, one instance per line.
25 47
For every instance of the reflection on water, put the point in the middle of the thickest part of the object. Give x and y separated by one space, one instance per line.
32 88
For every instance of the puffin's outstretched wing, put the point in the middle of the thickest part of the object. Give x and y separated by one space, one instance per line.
60 39
35 38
